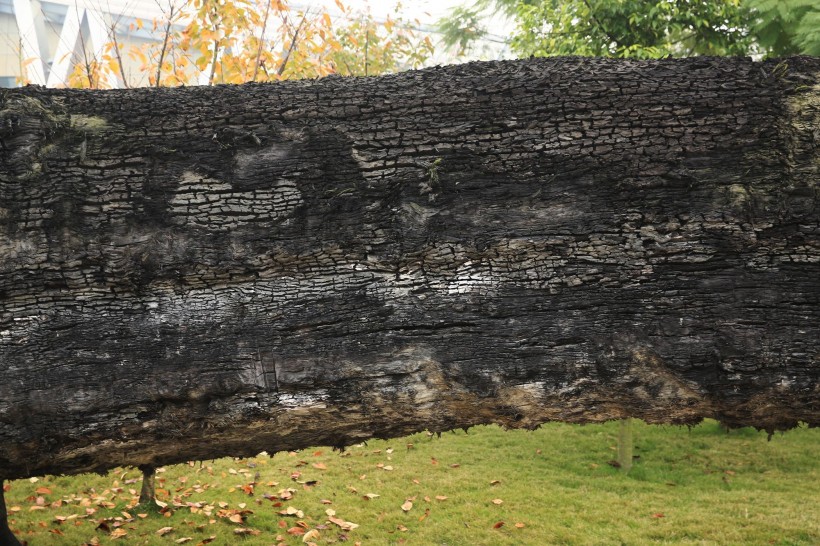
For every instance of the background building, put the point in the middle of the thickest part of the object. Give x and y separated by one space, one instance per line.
40 41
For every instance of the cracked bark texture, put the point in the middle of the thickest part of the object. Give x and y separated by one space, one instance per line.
196 272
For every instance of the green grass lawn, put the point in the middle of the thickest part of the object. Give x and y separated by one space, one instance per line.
487 487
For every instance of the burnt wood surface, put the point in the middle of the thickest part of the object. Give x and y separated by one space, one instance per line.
196 272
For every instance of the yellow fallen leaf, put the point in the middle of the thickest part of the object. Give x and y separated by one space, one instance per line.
183 540
407 506
164 531
441 497
313 534
118 533
497 502
520 525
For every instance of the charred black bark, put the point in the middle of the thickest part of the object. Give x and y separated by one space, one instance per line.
190 273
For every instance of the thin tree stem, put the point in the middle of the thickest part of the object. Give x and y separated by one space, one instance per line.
625 444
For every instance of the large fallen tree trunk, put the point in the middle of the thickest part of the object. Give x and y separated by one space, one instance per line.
191 273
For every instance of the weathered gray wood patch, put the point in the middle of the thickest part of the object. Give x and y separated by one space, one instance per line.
190 273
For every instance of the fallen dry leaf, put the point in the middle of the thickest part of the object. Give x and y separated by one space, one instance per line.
425 514
407 506
183 540
319 466
246 531
498 525
291 511
519 525
441 497
43 491
313 534
118 533
497 502
164 531
344 525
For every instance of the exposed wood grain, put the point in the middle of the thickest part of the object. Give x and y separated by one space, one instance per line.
191 273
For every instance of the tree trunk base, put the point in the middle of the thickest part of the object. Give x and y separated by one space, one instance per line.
148 490
7 538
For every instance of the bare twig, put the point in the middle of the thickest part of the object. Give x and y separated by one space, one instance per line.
293 41
261 42
166 36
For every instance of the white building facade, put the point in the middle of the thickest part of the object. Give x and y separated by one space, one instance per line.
40 41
